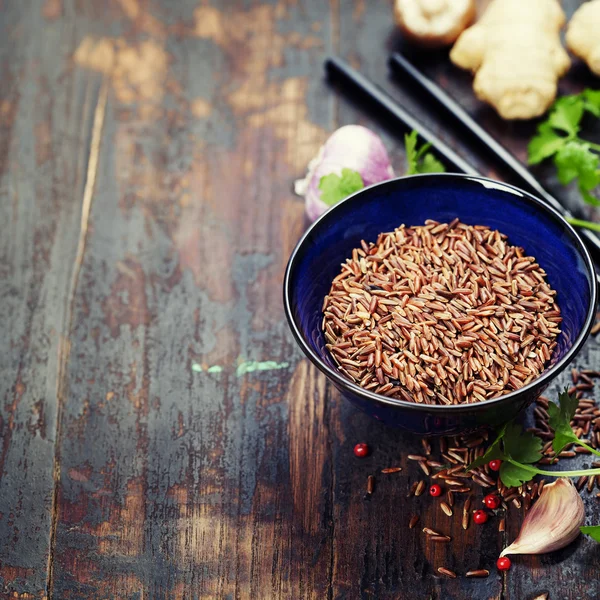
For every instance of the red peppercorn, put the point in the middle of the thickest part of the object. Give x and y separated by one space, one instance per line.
492 501
361 450
480 517
503 563
435 490
494 465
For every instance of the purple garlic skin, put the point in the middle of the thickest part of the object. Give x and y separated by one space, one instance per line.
350 147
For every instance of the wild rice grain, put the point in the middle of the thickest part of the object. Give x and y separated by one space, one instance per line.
566 454
430 531
447 572
370 484
440 538
466 513
391 470
416 457
590 483
420 488
413 489
413 521
478 573
447 510
426 446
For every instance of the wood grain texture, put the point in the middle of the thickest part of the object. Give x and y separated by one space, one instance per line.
186 490
161 434
45 112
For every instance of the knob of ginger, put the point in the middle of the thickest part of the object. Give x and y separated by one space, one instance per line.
516 55
433 23
583 38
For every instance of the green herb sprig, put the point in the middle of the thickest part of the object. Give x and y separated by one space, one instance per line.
420 160
558 138
335 187
574 157
519 450
592 530
561 415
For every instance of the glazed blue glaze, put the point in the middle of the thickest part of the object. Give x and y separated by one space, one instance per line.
527 222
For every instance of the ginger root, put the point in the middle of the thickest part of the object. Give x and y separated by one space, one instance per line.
434 22
583 37
516 53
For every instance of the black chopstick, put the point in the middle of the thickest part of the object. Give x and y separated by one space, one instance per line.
401 66
338 70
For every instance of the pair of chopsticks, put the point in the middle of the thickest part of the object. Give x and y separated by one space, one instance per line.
339 70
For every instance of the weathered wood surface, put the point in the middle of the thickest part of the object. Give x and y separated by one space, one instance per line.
162 436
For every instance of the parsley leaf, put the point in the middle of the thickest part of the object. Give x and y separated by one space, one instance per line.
545 144
566 114
522 446
560 420
335 188
558 137
519 449
592 101
430 164
420 160
514 475
592 530
410 145
492 453
575 159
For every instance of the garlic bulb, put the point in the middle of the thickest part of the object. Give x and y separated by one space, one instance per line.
353 147
553 521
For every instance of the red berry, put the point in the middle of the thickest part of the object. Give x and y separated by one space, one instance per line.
492 501
494 465
435 490
503 563
480 517
361 450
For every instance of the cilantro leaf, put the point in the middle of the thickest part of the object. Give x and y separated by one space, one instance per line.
576 160
592 530
514 475
492 453
545 144
522 446
410 144
566 114
560 420
589 198
558 137
430 164
420 160
335 188
592 101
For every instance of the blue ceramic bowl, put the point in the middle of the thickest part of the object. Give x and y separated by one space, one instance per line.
527 222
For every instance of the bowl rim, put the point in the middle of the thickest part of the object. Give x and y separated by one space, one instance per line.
544 378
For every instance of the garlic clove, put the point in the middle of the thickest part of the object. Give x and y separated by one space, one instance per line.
553 521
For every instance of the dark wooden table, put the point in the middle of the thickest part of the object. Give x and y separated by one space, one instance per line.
161 434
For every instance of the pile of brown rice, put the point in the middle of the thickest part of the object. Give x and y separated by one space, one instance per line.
443 313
